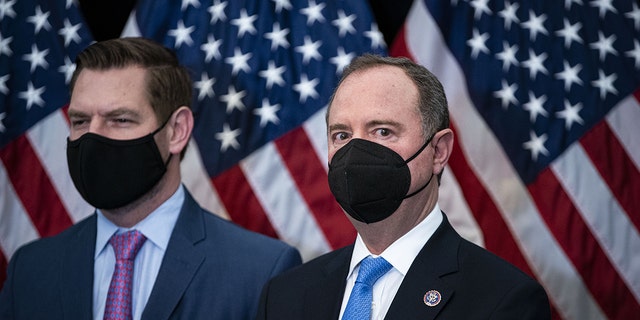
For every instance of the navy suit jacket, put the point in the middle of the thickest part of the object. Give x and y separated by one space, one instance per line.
212 269
473 284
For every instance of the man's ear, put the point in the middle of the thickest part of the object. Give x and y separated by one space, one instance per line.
443 146
182 125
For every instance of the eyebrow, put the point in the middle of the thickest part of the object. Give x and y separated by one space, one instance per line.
372 123
338 126
76 114
113 113
122 111
375 123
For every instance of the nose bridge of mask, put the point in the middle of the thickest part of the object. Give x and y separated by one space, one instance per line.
116 142
374 149
382 154
368 165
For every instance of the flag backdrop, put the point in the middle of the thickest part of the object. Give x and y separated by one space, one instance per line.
542 97
38 44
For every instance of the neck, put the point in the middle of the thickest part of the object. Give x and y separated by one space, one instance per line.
380 235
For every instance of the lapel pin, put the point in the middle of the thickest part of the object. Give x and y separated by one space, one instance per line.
432 298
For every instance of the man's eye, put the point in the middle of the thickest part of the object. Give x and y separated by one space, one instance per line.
383 132
341 136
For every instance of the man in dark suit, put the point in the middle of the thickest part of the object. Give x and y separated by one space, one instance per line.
149 251
388 136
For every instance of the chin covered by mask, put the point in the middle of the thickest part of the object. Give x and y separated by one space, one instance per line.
369 180
111 173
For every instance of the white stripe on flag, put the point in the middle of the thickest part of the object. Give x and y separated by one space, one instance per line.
592 197
290 216
496 173
131 27
49 140
623 120
316 129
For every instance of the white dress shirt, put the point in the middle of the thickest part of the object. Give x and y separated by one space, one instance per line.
400 255
157 228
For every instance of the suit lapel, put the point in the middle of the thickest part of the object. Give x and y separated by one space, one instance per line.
429 272
76 289
180 262
324 299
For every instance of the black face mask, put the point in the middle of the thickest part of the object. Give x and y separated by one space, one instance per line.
369 180
111 173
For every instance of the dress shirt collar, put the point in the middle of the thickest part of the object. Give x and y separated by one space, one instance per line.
156 227
403 251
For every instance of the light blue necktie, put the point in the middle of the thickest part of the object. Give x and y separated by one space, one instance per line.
359 305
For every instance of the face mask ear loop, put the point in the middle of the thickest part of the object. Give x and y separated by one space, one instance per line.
160 129
164 124
422 188
413 157
168 159
420 150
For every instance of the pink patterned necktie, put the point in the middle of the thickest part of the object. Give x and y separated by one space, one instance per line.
126 246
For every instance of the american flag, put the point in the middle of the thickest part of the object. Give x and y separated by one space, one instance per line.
38 44
263 73
542 96
545 105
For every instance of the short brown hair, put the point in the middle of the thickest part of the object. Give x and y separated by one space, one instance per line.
168 85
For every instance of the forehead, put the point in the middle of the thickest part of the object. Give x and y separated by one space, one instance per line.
383 90
112 88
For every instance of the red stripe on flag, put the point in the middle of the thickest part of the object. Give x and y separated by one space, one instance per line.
65 113
33 187
311 181
399 47
241 203
591 262
615 167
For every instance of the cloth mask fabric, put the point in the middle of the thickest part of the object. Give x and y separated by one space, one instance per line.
112 173
369 180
